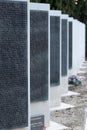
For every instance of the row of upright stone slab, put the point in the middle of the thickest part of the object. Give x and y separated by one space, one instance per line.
52 47
38 49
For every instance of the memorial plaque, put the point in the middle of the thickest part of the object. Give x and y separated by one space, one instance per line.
13 65
37 123
70 45
64 47
54 50
39 55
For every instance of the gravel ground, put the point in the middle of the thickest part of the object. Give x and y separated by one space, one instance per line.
74 118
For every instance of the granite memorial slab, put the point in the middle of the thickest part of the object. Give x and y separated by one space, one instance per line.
64 47
13 65
54 50
70 45
39 55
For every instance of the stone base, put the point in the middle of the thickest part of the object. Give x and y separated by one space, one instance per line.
70 93
55 96
56 126
61 107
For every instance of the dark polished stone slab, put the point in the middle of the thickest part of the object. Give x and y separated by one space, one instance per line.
39 55
13 65
70 45
64 47
54 50
37 123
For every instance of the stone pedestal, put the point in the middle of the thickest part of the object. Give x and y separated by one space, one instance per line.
64 53
55 58
39 62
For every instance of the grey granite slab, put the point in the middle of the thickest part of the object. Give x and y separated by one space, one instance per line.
13 65
64 47
39 55
70 45
54 50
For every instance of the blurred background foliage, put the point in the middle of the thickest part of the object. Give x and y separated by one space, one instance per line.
75 8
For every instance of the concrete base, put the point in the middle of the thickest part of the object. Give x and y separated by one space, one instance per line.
56 126
70 72
82 72
85 61
64 90
61 107
64 85
70 93
55 96
85 125
83 67
85 120
41 108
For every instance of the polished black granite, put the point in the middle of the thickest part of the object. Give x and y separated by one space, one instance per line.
70 45
64 47
38 55
13 65
54 50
